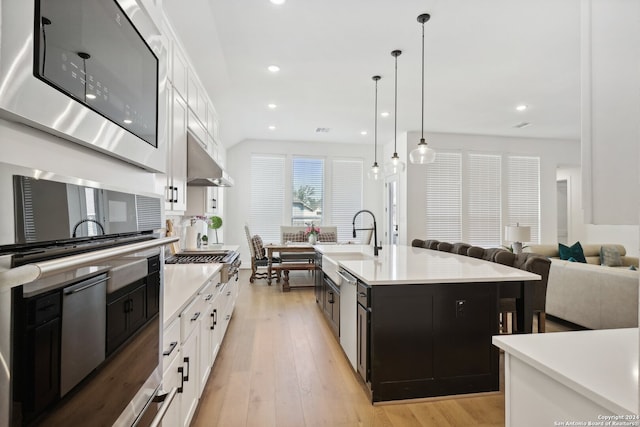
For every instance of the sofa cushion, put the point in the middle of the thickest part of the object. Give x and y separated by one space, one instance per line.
574 250
610 256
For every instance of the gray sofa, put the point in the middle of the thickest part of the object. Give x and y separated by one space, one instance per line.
591 295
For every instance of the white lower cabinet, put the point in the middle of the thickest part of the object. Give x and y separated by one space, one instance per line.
191 344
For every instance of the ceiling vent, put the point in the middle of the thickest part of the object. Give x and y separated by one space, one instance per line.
522 125
322 130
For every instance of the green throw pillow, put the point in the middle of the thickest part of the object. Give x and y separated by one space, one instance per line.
610 256
572 259
574 251
633 267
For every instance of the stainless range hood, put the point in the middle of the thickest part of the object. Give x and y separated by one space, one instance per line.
202 169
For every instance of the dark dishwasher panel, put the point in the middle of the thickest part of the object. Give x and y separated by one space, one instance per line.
83 330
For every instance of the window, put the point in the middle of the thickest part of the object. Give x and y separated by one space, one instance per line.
471 196
346 197
484 207
523 193
267 196
444 198
308 191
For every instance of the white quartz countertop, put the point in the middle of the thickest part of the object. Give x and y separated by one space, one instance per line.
400 264
181 283
602 365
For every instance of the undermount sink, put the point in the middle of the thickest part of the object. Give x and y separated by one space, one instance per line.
349 256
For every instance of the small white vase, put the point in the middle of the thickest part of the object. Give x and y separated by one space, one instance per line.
312 239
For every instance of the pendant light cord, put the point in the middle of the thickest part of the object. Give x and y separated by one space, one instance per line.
395 109
422 118
375 125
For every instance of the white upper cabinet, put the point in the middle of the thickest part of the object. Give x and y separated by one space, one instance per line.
180 71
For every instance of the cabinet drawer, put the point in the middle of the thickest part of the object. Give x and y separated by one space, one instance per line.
170 343
190 316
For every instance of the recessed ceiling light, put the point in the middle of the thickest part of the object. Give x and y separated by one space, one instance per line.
127 121
278 2
522 107
364 132
385 114
272 106
91 96
272 127
273 68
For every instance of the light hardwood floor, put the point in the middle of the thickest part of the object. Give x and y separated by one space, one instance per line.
279 365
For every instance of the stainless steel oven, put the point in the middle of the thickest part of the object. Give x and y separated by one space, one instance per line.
80 307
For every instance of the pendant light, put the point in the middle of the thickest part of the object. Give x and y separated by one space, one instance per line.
422 154
395 165
375 173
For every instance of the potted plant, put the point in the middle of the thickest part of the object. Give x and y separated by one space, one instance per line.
215 222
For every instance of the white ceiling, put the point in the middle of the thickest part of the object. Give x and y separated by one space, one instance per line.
482 59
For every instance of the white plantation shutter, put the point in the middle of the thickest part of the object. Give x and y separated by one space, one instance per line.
267 196
444 197
483 217
307 173
523 193
346 200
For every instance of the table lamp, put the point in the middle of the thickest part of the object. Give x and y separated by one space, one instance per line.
517 234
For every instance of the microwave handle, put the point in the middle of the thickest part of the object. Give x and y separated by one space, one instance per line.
166 400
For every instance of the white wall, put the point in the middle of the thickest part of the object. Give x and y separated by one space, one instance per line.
551 152
238 198
626 235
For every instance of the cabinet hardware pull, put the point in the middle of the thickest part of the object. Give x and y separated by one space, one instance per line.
331 301
214 316
46 307
186 360
208 298
228 317
176 198
172 347
362 294
167 398
195 316
181 372
228 293
130 305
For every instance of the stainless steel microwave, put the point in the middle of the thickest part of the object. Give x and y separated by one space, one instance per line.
90 71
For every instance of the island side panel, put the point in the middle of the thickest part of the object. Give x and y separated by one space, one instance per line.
433 340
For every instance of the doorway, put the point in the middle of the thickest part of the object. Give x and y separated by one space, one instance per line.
563 211
391 210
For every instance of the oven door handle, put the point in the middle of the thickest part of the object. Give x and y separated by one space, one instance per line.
166 400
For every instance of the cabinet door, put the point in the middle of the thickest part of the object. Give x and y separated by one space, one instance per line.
217 317
117 322
362 346
46 363
171 378
137 308
180 71
153 294
190 390
206 336
179 154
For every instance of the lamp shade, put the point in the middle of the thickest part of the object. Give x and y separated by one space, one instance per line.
517 233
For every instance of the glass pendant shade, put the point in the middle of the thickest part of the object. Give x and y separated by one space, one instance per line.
395 165
422 155
375 173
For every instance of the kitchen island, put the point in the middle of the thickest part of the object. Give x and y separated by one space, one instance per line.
424 319
580 376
